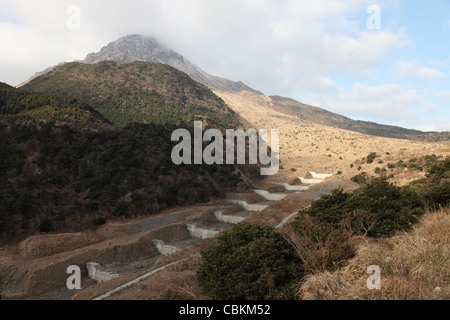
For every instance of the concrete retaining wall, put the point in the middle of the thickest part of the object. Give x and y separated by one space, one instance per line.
320 175
249 206
97 274
165 249
288 187
270 196
310 181
201 233
44 277
228 218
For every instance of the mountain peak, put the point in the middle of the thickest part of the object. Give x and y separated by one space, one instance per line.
132 48
135 47
140 48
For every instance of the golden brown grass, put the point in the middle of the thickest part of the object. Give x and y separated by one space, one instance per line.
307 146
414 265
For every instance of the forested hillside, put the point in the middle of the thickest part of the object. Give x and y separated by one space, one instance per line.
59 178
65 168
17 104
136 92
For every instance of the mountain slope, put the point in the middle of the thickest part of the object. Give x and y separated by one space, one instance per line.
133 48
136 92
70 178
321 116
17 104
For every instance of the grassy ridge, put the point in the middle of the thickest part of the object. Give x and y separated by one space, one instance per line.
327 118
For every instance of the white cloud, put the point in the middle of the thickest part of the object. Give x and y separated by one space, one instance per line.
259 42
415 70
388 103
437 125
277 47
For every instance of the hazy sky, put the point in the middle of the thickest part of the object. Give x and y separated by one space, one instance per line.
384 61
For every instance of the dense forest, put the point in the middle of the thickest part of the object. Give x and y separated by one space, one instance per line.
17 104
138 92
66 166
59 178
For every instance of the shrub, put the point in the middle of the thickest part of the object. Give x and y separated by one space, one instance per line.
45 226
378 209
121 209
99 221
360 178
371 157
249 262
320 246
436 191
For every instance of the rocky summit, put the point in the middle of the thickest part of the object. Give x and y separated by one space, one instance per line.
134 48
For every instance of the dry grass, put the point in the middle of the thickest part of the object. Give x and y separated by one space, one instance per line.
175 282
306 146
414 265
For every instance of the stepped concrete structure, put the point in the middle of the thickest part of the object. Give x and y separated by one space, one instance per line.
289 187
201 233
320 175
163 248
310 181
270 196
95 273
249 206
228 218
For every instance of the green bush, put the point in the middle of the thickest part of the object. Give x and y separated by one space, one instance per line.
250 262
371 157
436 191
360 178
378 209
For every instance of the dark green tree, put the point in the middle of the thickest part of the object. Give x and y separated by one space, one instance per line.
250 262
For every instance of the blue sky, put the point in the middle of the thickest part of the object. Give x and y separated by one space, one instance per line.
319 52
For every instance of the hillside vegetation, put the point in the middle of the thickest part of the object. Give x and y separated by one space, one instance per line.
59 178
17 104
337 239
321 116
414 266
64 167
138 92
